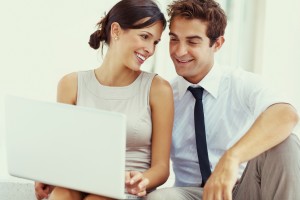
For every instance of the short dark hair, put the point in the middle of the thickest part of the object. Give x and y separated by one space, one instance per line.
207 11
127 13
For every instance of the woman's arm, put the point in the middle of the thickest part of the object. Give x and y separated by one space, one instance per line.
67 89
162 110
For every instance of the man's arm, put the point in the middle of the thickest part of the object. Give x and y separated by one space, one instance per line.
273 126
270 128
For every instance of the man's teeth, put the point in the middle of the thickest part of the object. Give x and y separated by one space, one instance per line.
184 61
141 57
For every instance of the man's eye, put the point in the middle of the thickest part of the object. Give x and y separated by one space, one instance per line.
193 42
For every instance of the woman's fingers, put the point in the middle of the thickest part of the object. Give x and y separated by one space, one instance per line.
143 184
143 193
137 184
127 177
135 177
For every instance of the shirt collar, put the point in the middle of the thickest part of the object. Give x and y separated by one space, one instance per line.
210 83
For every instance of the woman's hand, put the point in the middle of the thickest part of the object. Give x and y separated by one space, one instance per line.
42 190
136 183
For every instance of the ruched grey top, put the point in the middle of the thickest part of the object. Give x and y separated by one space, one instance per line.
131 100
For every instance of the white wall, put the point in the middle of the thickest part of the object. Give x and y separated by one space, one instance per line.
280 62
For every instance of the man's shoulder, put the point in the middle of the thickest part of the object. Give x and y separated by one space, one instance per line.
175 81
238 75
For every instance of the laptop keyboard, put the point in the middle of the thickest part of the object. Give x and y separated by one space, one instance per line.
131 196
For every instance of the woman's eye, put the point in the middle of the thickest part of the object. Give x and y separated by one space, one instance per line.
145 36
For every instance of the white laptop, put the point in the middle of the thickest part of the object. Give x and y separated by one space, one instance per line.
65 145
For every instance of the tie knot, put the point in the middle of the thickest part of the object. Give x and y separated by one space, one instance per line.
197 92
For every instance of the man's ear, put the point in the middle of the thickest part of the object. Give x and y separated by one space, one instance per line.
115 30
218 43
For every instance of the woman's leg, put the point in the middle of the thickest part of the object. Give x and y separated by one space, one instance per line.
60 193
95 197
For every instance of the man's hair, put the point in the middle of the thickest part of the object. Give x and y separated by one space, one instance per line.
207 11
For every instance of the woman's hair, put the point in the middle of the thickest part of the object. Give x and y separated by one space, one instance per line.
127 13
207 11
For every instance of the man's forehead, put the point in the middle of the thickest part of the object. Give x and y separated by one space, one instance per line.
187 34
188 27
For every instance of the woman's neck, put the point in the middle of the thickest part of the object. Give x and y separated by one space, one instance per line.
114 73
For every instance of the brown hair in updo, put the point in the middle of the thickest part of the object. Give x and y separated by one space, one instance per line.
127 13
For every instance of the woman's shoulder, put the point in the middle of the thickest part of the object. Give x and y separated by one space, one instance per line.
157 80
161 85
161 94
67 88
68 80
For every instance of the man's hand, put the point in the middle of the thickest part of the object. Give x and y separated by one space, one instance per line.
136 183
220 184
42 190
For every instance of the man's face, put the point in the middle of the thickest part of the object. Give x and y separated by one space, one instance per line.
189 48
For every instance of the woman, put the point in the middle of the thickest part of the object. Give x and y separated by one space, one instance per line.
131 29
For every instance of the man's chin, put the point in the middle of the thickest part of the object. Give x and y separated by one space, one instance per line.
180 71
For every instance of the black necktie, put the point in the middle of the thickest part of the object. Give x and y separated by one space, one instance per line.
200 134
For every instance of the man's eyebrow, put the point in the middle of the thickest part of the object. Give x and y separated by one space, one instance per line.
189 37
194 37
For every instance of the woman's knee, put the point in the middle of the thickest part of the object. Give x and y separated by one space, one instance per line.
60 193
95 197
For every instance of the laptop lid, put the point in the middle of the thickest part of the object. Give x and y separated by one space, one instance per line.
64 145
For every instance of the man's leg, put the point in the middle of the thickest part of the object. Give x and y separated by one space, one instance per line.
176 193
273 175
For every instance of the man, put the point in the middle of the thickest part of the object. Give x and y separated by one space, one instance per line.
244 119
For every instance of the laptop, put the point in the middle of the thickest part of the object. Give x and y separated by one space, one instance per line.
65 145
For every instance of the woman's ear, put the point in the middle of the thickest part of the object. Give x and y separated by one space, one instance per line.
115 30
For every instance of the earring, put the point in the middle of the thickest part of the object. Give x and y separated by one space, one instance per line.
116 37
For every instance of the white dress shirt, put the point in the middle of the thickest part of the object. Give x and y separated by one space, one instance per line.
232 100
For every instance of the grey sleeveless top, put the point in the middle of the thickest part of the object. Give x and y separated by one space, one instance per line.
131 100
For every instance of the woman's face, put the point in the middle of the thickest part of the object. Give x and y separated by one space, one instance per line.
136 45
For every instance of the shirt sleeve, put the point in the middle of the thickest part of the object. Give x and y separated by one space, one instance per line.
258 95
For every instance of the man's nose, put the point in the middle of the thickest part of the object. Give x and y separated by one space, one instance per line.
180 49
